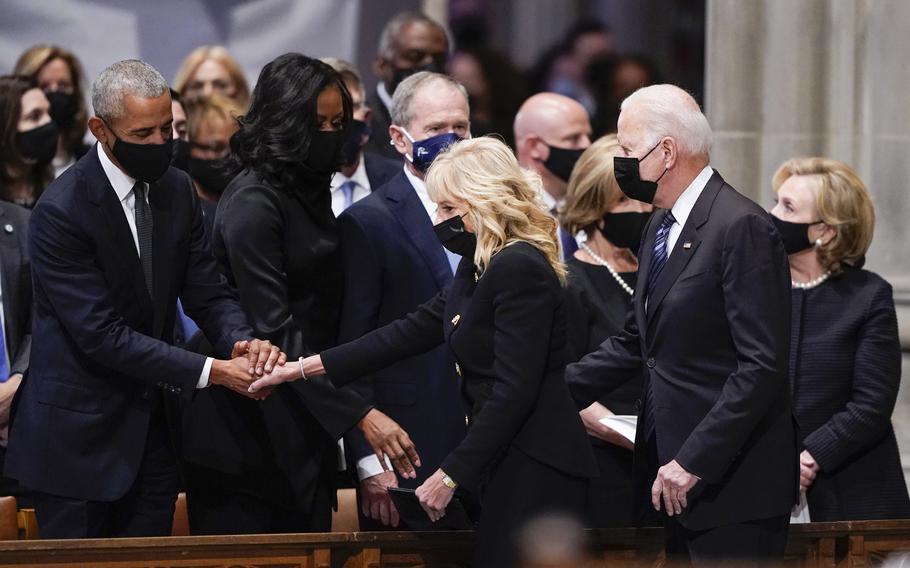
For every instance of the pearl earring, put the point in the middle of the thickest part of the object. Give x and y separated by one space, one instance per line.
818 242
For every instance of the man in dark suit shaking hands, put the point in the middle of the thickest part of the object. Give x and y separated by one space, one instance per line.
709 329
113 242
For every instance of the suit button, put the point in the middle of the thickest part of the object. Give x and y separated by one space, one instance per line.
651 362
638 404
458 369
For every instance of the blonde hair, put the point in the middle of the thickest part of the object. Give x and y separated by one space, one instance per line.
843 203
221 56
592 191
502 197
202 109
34 59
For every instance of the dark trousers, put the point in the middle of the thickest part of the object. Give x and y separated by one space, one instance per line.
147 509
521 489
218 504
751 543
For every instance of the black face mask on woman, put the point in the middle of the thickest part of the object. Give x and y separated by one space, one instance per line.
143 162
213 175
39 144
63 107
794 235
454 237
625 170
324 154
624 230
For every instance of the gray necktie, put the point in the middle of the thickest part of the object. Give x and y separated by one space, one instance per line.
144 232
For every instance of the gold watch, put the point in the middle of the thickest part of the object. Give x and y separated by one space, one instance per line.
448 481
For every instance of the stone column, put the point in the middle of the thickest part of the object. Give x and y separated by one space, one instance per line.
791 78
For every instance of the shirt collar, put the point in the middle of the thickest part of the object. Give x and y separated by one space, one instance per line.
359 177
122 183
686 202
384 95
548 201
420 187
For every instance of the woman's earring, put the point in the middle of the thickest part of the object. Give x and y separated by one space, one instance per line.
818 242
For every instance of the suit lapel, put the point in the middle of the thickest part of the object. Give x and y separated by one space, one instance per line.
7 268
644 265
407 209
101 193
162 247
686 245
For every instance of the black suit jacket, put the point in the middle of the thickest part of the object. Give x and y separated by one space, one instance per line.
713 343
380 169
393 262
102 348
15 270
279 249
507 333
845 371
380 141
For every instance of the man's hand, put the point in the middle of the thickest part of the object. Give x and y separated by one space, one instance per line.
387 438
374 498
673 482
434 496
591 416
808 469
261 354
235 375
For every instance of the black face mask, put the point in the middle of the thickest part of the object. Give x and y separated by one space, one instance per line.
143 162
453 236
562 160
39 144
212 175
323 156
353 142
399 75
794 235
63 107
180 157
627 176
624 230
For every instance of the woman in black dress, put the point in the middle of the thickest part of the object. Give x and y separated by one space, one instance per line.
28 140
602 276
845 358
503 319
269 466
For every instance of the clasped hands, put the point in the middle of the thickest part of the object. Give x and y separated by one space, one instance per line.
250 360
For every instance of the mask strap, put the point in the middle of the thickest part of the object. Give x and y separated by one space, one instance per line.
407 134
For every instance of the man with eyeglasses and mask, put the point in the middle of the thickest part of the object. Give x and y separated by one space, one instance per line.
551 132
410 42
393 262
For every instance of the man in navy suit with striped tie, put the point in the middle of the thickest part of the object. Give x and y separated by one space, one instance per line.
709 329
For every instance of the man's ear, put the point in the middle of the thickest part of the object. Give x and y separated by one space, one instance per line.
399 140
537 148
99 131
671 152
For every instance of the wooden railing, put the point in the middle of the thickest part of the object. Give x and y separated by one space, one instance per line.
842 545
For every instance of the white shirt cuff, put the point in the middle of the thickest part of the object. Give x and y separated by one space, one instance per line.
204 376
370 466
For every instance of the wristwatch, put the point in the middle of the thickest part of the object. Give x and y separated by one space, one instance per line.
448 481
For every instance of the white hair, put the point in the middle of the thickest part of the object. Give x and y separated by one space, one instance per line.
400 112
130 76
667 110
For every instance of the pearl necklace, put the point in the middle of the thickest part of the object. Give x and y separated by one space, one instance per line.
613 272
812 283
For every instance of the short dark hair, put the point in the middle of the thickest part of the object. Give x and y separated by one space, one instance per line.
276 133
12 87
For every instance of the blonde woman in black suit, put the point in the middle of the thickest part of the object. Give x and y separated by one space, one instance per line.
503 318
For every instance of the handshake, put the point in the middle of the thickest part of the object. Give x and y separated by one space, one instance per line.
256 367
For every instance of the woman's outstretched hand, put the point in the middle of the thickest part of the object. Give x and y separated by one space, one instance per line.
288 372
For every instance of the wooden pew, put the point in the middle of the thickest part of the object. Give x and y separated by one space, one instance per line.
820 545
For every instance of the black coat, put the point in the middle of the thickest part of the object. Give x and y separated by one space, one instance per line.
506 332
713 344
845 370
393 262
380 141
280 250
380 169
15 270
101 344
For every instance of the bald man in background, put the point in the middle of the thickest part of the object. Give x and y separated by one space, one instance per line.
551 132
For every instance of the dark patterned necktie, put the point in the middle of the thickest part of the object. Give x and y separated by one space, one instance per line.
144 231
659 252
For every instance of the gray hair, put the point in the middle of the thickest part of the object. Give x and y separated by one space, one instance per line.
406 90
393 28
667 110
131 76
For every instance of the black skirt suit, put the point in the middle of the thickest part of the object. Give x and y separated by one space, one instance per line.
526 450
845 370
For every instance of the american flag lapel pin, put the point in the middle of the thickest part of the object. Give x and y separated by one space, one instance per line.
687 245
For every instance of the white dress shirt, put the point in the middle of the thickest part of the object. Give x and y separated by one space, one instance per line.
123 187
384 95
361 186
684 204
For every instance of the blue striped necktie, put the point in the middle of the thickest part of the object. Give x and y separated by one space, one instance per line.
347 189
659 252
